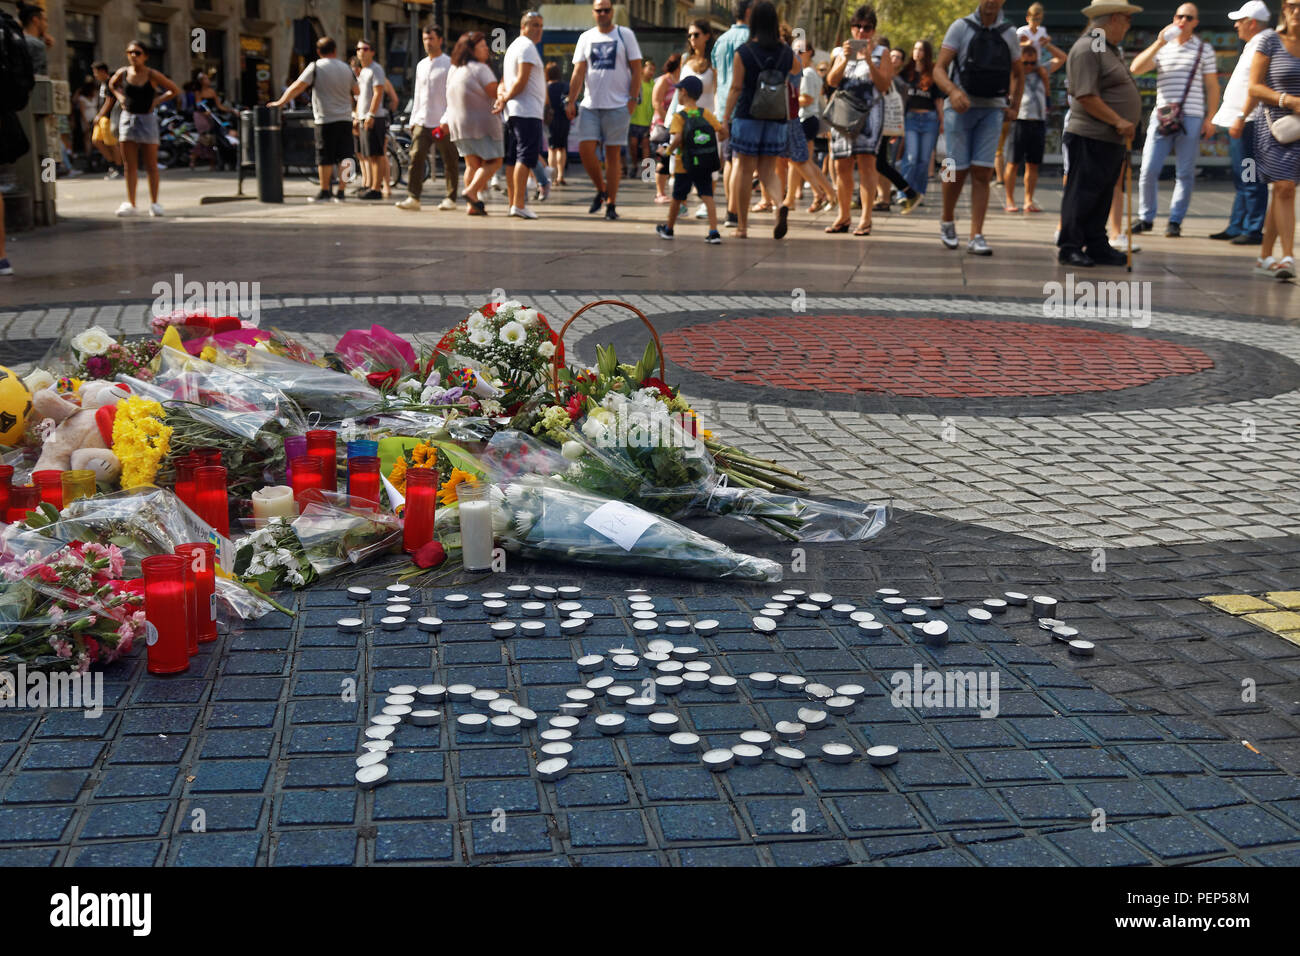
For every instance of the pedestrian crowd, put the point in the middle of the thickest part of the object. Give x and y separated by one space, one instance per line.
756 113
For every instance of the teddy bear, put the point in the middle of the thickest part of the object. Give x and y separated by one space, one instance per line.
77 441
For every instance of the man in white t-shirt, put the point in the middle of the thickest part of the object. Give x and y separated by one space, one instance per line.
608 60
372 122
1246 226
522 94
1178 56
428 103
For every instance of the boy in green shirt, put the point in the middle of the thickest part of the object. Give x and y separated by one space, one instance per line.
694 137
638 129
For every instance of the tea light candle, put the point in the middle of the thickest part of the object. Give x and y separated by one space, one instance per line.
759 738
519 592
791 683
669 667
359 594
502 705
979 614
399 590
377 746
1016 598
913 613
581 695
852 691
859 616
425 718
625 662
651 657
574 709
894 603
933 601
274 501
493 595
663 722
610 724
619 694
386 720
483 697
402 689
774 611
568 607
808 610
496 608
812 719
685 653
544 592
886 592
399 699
1044 606
533 629
556 734
871 628
818 691
677 626
882 755
698 667
641 607
837 753
472 723
763 625
644 616
784 599
839 705
574 625
527 716
503 629
371 758
380 732
569 591
431 693
392 622
556 748
600 684
747 754
640 705
842 610
1063 632
645 627
457 600
1082 648
370 777
398 609
668 684
1047 623
789 756
694 680
794 592
762 679
563 723
533 608
936 633
504 724
722 684
718 759
460 691
684 742
706 627
430 625
996 605
590 662
553 769
790 730
350 624
820 597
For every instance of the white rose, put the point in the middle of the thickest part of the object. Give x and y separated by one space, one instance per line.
37 379
546 349
480 337
527 316
594 430
476 322
509 305
93 341
572 450
512 333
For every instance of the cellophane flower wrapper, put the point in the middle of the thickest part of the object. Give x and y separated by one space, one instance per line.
335 534
552 521
375 350
334 395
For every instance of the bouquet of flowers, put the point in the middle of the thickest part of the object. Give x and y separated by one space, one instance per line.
335 395
512 345
552 521
67 609
98 355
272 557
140 439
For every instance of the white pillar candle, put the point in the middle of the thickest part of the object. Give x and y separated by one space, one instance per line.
475 527
275 501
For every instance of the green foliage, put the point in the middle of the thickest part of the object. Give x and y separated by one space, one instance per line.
906 21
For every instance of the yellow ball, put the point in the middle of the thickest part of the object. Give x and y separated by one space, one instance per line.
15 405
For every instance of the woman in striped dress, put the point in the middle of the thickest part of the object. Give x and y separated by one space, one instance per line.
1275 82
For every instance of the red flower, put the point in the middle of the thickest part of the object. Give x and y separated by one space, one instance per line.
92 648
430 555
490 309
381 379
574 408
659 384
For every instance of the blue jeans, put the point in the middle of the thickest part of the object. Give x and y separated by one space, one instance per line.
1186 147
1251 203
920 139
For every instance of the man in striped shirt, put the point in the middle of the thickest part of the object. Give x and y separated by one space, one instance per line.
1178 56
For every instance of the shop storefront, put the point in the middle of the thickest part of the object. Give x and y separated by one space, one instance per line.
254 70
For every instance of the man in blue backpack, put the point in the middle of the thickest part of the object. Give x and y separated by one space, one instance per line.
979 72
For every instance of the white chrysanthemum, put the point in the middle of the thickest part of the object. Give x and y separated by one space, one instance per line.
527 317
523 522
546 349
512 333
476 321
93 341
480 337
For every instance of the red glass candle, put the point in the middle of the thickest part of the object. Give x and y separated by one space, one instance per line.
166 609
191 608
50 481
295 446
22 499
363 481
6 482
208 456
306 475
421 502
211 497
185 466
323 444
202 559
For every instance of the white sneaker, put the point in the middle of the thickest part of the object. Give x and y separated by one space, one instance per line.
155 210
978 246
1118 244
702 212
544 193
948 234
410 204
448 203
125 210
522 212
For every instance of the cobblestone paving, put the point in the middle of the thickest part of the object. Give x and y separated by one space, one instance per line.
256 742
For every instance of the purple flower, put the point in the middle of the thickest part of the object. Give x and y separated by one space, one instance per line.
98 367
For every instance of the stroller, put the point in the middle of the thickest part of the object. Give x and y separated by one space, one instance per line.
216 137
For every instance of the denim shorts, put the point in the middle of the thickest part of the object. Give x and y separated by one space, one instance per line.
138 128
754 137
608 127
972 137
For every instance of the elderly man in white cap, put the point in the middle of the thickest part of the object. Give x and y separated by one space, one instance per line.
1246 225
1107 107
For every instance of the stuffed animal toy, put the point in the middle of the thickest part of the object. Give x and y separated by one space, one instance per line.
82 433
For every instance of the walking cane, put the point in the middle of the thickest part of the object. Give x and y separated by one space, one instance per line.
1128 202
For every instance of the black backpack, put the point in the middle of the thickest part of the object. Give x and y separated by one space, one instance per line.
17 73
771 100
699 143
986 68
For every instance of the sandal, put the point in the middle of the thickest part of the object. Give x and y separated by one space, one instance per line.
818 205
838 227
1285 268
880 207
1032 206
1011 207
1266 267
863 230
761 207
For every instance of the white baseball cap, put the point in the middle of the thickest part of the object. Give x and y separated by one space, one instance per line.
1252 8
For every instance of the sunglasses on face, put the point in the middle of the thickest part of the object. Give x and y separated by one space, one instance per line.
135 53
603 9
694 36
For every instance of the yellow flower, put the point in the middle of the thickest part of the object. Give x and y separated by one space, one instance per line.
447 493
140 440
397 477
209 354
706 434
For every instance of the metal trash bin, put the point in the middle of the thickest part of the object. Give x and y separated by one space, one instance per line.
298 136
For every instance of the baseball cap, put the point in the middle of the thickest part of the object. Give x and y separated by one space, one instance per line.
1251 8
692 86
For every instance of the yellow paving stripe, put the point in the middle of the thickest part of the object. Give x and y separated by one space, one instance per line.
1239 603
1276 611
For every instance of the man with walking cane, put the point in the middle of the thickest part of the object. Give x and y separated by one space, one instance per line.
1106 110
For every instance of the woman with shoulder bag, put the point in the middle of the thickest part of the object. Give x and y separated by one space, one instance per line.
856 114
1275 82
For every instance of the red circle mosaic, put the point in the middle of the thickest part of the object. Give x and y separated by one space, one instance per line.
925 357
